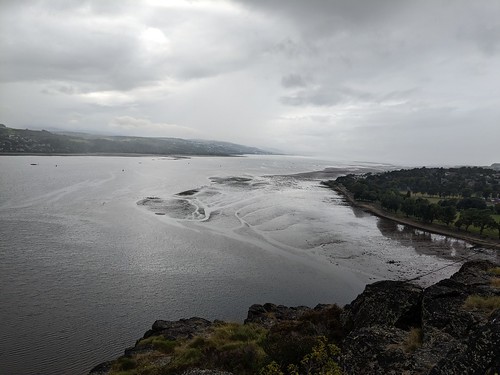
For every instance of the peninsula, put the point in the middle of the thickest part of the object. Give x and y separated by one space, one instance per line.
458 202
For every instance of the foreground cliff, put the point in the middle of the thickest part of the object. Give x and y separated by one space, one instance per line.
452 327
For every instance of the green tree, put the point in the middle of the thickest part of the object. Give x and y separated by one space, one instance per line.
467 217
391 201
408 206
483 219
495 225
447 214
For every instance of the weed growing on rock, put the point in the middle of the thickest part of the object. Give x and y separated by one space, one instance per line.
321 360
486 304
414 340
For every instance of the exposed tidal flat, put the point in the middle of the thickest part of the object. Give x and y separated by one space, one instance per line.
93 249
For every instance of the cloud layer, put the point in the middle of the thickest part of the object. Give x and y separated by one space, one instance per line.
394 81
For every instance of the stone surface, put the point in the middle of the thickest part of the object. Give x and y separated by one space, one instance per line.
391 303
377 350
183 328
269 314
479 354
198 371
454 339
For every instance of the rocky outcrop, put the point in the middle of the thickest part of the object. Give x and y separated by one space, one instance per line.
174 330
170 330
393 327
269 314
386 303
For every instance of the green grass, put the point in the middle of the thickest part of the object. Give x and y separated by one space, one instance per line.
124 365
494 271
159 343
495 280
430 198
487 232
230 346
238 348
486 304
414 340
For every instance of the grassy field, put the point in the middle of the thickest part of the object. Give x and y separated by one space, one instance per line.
487 232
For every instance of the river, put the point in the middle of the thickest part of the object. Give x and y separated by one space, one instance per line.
94 249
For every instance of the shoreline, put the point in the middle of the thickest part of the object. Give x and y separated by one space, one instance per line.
489 243
119 154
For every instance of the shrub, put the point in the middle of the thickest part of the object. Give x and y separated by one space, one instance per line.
326 322
160 343
126 363
288 342
321 360
230 346
495 271
414 340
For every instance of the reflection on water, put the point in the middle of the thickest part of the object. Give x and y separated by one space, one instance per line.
424 242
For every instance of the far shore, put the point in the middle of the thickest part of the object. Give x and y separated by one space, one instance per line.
174 156
432 228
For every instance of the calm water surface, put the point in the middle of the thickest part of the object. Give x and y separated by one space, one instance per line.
94 249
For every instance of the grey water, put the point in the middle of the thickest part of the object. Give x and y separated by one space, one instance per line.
94 249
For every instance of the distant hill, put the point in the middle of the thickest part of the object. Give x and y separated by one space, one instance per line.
495 166
44 142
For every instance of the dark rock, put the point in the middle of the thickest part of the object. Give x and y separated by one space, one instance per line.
480 353
188 192
455 340
183 328
474 273
378 350
142 349
102 368
443 303
269 314
442 309
390 303
196 371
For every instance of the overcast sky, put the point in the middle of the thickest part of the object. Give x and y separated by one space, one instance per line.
405 82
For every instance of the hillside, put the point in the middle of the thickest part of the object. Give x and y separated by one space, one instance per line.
20 141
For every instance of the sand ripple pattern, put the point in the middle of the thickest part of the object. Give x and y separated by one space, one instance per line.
276 210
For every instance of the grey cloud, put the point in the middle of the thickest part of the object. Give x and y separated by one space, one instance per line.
485 36
326 96
293 80
86 42
330 76
311 97
321 17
